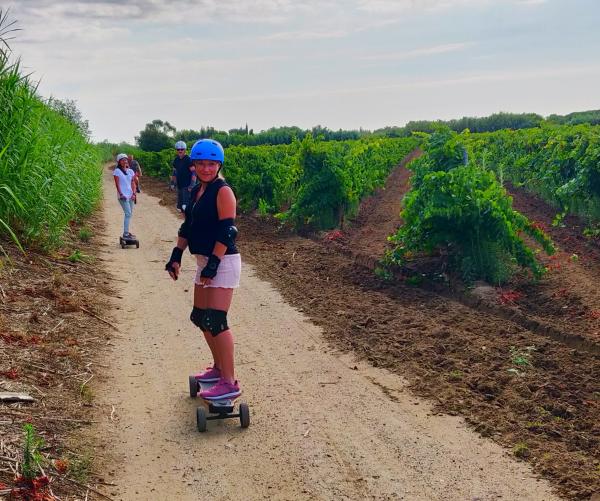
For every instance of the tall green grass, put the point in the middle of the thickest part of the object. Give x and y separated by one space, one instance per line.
49 174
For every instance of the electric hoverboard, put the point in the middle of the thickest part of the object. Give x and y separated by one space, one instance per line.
125 241
217 409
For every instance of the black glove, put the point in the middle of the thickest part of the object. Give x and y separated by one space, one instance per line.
210 270
176 255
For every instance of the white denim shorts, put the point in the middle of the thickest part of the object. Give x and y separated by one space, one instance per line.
228 272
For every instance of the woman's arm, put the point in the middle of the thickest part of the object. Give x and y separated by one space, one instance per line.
133 186
226 206
116 178
193 178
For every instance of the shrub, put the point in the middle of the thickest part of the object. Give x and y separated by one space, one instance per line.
464 211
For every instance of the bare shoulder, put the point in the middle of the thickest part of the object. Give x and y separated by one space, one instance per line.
225 193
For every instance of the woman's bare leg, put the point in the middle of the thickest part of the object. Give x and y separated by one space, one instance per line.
201 301
220 299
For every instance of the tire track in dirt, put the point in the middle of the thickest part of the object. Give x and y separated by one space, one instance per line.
320 428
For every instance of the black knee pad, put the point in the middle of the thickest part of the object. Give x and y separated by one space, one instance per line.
196 316
214 321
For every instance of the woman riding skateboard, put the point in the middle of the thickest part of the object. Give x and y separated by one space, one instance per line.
209 231
125 182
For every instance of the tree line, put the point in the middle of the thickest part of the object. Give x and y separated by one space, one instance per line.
160 135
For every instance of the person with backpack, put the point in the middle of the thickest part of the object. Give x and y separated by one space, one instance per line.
135 166
209 232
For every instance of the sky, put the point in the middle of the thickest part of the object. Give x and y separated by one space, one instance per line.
336 63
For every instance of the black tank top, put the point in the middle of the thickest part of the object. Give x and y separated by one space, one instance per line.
204 218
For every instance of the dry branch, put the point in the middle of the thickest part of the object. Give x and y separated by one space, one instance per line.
99 318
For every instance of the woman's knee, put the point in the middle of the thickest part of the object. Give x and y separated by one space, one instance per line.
209 320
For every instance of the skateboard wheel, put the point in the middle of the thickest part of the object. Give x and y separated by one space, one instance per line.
201 419
193 387
244 415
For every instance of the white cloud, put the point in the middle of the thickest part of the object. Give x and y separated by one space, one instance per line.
424 51
305 35
415 6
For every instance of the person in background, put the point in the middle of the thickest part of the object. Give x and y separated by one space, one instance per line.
209 232
135 166
183 176
125 182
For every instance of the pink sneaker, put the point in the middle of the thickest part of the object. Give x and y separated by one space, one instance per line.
222 390
210 375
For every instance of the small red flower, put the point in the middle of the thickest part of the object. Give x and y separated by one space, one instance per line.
509 297
61 465
11 373
333 235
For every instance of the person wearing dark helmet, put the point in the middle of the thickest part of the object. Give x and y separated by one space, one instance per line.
183 176
209 232
125 182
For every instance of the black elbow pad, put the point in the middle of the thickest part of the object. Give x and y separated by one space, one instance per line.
183 231
227 232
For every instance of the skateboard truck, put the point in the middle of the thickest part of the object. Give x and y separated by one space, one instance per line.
217 409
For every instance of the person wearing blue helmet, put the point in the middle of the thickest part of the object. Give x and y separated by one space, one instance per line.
183 176
209 232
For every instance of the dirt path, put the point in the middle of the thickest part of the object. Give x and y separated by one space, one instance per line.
323 426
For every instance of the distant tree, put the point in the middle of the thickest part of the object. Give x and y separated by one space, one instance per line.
156 136
241 131
490 123
68 109
591 117
391 131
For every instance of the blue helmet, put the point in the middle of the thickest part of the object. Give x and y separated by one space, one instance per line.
180 145
207 149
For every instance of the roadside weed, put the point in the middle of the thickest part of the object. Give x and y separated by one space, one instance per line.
384 274
87 394
521 450
77 256
85 234
80 466
30 468
521 357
